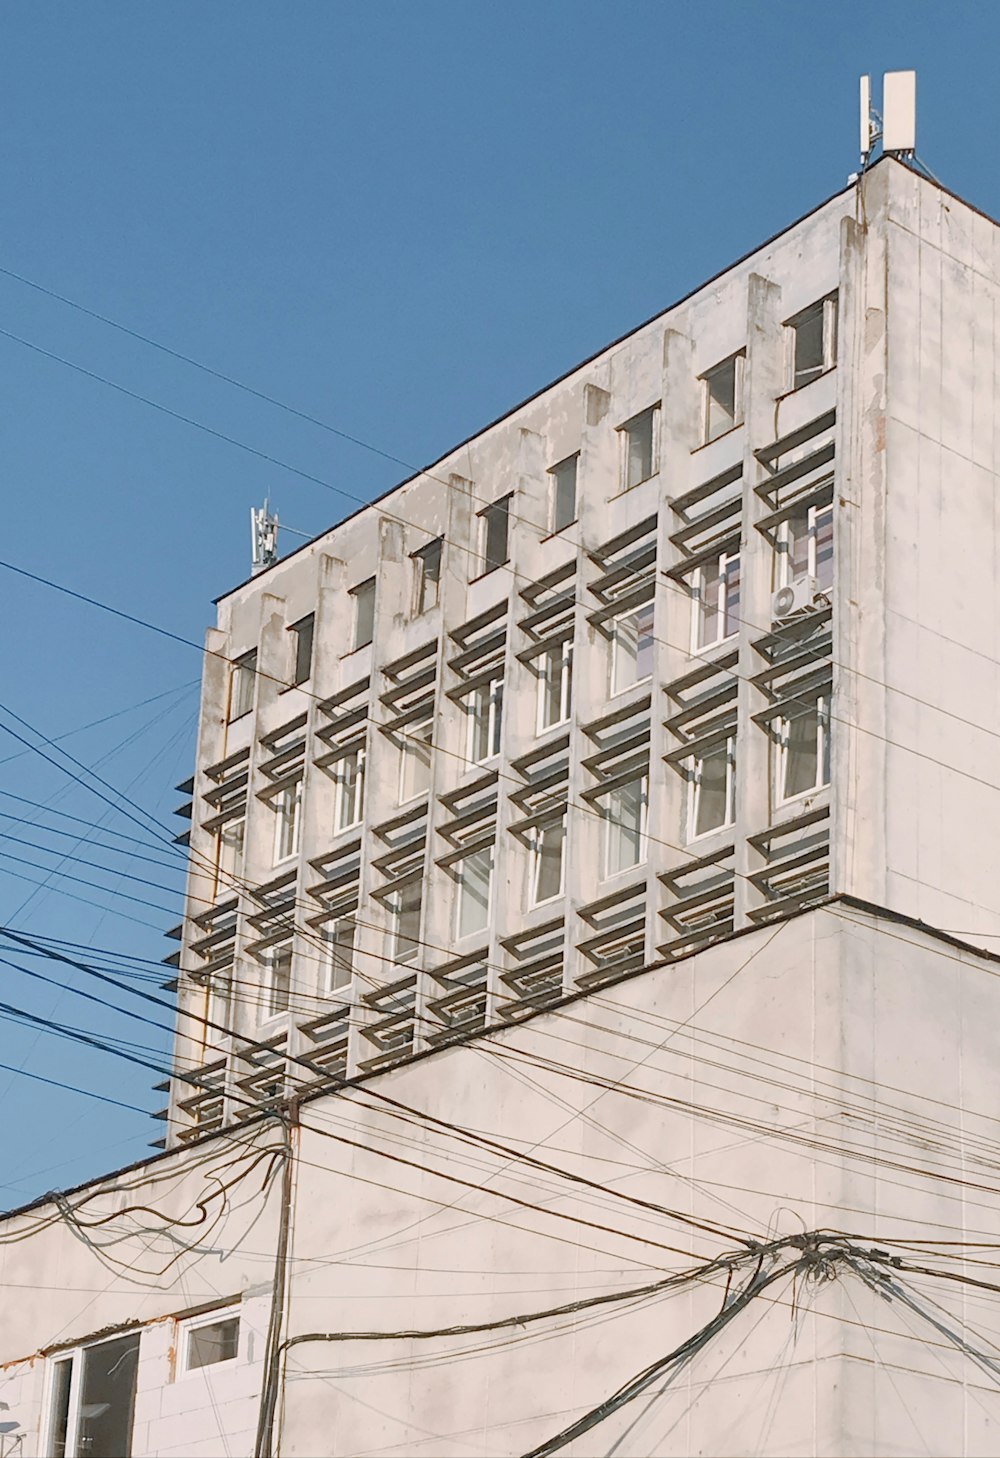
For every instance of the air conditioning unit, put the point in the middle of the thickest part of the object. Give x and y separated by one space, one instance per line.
797 597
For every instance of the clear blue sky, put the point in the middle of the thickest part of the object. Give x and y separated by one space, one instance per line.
401 218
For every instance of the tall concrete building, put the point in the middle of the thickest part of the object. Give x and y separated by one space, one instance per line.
589 924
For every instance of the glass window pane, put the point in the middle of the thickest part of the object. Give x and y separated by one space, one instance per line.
720 400
549 846
107 1398
280 980
797 533
711 791
350 773
475 876
62 1374
808 331
564 493
823 548
364 613
632 648
340 943
639 448
218 1341
801 753
707 605
495 531
243 680
427 565
623 809
415 761
302 638
555 673
407 922
286 828
732 598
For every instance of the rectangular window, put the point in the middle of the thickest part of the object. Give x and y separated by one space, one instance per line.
427 577
548 859
639 447
484 708
563 490
813 341
624 812
406 907
92 1400
717 600
494 527
279 981
302 649
805 547
364 612
349 776
415 760
475 878
804 750
723 397
230 855
555 685
340 937
287 807
712 802
220 1006
242 684
209 1341
632 648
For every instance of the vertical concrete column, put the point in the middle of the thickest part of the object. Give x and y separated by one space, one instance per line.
763 383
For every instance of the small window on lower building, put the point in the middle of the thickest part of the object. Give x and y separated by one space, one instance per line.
209 1340
92 1399
563 493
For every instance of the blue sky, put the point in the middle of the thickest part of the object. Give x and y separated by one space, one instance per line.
399 218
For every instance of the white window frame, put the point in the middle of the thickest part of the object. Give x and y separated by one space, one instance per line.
395 912
616 646
75 1355
186 1325
421 598
610 826
493 710
548 669
537 836
738 361
694 793
226 873
625 435
331 952
408 756
557 475
243 671
502 503
269 1012
352 797
287 806
221 1003
722 564
489 854
813 515
829 308
823 751
365 592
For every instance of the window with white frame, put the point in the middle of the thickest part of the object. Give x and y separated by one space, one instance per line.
812 342
632 648
415 759
364 612
92 1399
803 759
475 882
220 1005
241 685
230 855
287 806
494 534
639 447
427 577
339 937
209 1341
563 493
555 684
723 397
405 907
624 812
712 789
278 989
548 859
805 546
349 778
484 712
716 588
302 649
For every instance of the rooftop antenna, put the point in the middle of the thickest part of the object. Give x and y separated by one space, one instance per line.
263 537
896 125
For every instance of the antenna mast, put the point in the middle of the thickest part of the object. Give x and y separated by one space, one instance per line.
896 125
263 537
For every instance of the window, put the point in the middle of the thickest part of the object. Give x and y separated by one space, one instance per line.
92 1399
287 805
624 812
302 649
210 1340
364 612
494 530
220 1006
805 546
427 577
475 878
639 447
548 859
339 936
564 493
813 341
349 776
230 855
484 707
406 906
717 600
632 648
415 760
279 981
241 687
804 750
723 397
712 802
555 685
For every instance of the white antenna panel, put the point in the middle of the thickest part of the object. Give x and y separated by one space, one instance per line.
899 111
866 116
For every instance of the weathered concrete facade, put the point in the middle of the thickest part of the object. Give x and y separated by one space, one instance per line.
609 807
